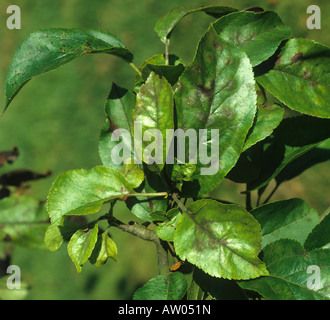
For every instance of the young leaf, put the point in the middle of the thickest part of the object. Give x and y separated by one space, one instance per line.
217 92
157 65
166 230
81 245
320 235
105 248
222 240
288 263
118 108
153 110
23 222
46 50
301 77
133 174
257 34
81 192
292 219
55 234
163 287
167 23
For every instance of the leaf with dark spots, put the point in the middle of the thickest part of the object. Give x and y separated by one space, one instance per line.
215 94
301 77
222 240
154 109
118 109
43 51
298 56
257 34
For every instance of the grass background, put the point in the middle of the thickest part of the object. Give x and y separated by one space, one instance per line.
56 119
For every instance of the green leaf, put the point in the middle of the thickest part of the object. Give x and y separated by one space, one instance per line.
118 109
288 265
153 110
291 139
81 192
166 230
23 222
217 92
222 240
48 49
301 77
55 235
81 246
320 235
105 248
133 174
163 287
167 23
157 65
267 119
257 34
291 219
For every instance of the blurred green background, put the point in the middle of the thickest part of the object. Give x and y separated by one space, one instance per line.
56 119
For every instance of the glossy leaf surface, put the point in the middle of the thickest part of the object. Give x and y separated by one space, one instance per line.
217 91
48 49
257 34
301 77
291 219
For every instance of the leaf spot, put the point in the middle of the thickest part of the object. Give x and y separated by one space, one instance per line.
298 56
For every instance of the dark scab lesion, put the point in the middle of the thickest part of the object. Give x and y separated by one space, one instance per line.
112 126
278 61
204 90
298 56
217 45
229 61
307 75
